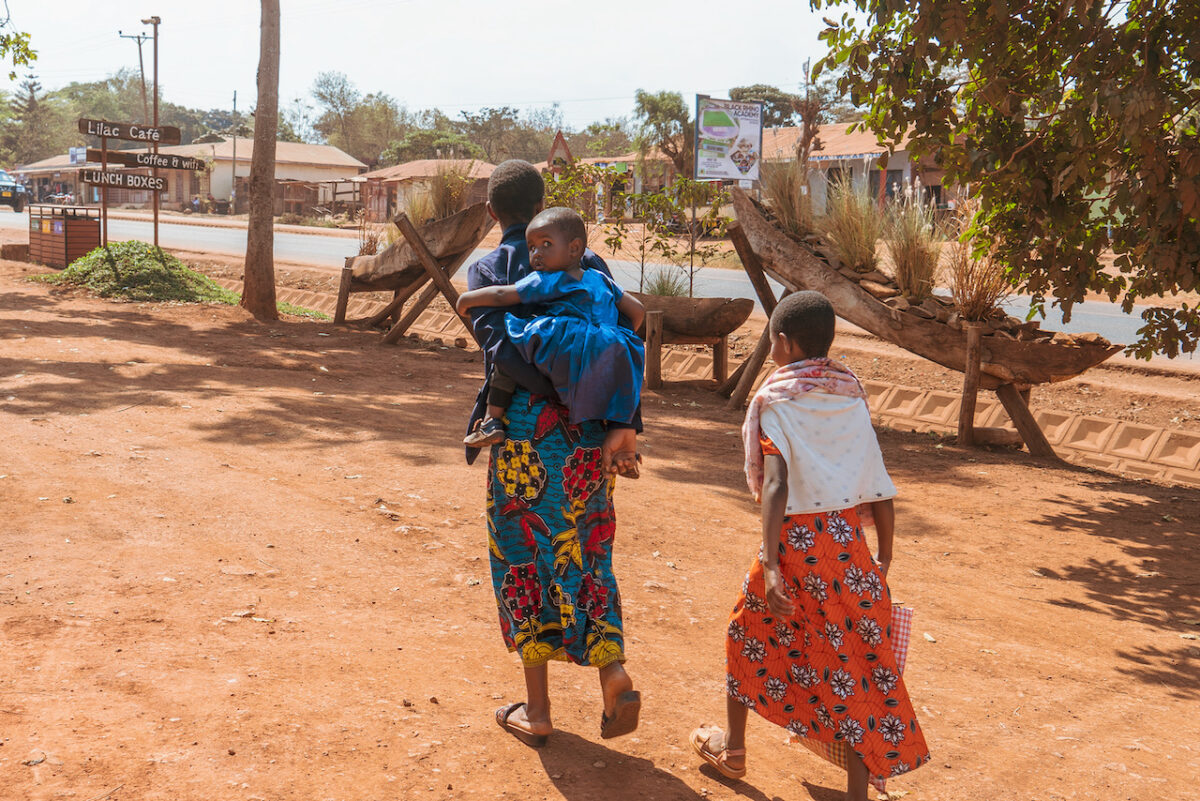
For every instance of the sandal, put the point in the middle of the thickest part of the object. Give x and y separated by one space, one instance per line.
524 735
701 739
624 718
486 432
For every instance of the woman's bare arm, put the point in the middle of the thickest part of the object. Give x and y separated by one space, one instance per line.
774 506
885 529
632 308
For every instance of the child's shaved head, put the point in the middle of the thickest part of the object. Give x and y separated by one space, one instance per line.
515 190
563 220
807 319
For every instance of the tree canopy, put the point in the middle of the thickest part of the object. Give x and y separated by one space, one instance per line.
665 122
1076 124
777 104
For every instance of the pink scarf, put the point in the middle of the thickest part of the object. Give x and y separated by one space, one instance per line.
790 381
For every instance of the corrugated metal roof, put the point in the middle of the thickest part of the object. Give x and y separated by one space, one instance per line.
428 168
836 143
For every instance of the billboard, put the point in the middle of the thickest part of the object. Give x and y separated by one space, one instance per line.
728 141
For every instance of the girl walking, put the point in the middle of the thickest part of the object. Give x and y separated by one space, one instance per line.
809 645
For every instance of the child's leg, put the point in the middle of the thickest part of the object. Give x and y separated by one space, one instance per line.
500 394
857 777
735 733
490 431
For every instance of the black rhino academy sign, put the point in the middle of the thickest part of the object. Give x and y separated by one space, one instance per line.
133 132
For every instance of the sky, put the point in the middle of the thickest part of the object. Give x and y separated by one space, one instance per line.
455 55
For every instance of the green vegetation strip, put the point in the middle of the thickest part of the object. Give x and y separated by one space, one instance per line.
138 271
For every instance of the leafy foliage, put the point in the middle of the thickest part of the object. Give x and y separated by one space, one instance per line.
778 111
15 46
137 271
665 122
1076 124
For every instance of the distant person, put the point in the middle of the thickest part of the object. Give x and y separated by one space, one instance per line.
575 339
550 517
810 641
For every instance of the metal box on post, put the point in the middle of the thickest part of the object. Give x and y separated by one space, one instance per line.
58 235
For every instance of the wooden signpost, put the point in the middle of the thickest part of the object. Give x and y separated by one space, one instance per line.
132 132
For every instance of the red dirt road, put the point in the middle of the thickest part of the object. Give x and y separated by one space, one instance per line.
245 561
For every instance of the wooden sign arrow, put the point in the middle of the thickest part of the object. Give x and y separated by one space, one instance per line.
123 180
132 131
160 160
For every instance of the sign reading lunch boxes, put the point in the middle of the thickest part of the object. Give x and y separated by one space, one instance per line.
728 139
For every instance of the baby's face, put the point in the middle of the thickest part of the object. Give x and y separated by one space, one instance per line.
549 250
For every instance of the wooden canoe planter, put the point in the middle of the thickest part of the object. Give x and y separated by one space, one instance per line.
399 268
691 321
1002 360
1008 365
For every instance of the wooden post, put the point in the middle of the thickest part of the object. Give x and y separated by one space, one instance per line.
966 409
397 302
431 266
419 305
343 298
721 360
750 367
1022 418
753 267
726 388
654 339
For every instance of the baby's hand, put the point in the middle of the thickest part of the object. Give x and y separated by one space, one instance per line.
777 599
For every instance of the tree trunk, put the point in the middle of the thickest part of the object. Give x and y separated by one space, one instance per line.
258 294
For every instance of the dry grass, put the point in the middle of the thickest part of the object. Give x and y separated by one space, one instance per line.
448 190
784 184
854 225
978 281
914 244
369 235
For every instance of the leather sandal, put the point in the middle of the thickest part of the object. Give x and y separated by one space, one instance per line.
701 739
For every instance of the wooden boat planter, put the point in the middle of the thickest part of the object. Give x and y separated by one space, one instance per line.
672 320
399 268
1007 364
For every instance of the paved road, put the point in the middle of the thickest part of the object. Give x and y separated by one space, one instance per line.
323 250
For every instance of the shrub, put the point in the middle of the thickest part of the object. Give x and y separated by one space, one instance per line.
139 271
784 184
853 225
448 190
979 281
914 243
670 281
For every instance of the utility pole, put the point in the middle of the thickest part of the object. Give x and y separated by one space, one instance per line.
233 184
155 22
139 38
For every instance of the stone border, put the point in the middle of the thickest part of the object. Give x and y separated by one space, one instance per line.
1145 452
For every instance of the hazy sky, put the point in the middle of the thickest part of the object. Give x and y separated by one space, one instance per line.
453 54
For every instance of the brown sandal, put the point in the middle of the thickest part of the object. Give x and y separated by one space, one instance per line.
700 739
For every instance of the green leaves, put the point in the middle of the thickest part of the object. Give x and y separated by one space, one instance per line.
1075 124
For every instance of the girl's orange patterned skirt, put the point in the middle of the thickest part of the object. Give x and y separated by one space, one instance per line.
828 675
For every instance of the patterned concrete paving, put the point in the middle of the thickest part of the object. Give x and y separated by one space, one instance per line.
1166 455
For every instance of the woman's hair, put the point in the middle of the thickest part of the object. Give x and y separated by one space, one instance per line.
515 190
807 319
563 220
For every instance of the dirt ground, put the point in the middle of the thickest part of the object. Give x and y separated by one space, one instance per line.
247 561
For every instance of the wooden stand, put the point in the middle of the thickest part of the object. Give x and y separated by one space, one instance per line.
741 383
1016 404
654 343
970 392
